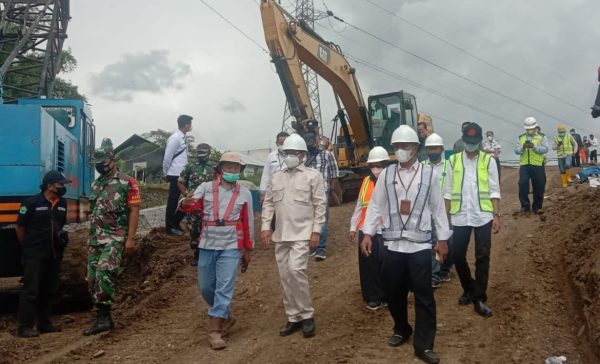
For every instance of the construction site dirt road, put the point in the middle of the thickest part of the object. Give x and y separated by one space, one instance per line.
543 290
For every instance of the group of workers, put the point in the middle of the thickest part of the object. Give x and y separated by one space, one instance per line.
413 220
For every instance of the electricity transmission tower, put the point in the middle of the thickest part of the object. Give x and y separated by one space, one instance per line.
305 11
32 33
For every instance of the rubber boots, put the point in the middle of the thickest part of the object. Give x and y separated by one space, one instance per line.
215 327
564 179
569 175
103 321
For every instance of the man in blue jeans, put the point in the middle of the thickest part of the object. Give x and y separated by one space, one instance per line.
324 162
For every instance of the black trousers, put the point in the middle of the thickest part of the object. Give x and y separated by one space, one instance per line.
172 216
369 270
537 175
483 243
576 160
40 283
402 272
594 156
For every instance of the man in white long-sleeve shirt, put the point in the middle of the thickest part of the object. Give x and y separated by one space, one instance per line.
473 200
407 198
274 163
174 162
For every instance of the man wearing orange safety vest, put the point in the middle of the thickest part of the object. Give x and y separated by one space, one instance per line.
369 267
226 238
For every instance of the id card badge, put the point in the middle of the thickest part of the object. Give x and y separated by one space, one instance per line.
405 207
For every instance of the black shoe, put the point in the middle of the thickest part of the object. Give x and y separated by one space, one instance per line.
525 210
538 211
465 299
482 309
428 356
375 305
397 340
27 332
308 327
103 323
175 231
290 328
48 328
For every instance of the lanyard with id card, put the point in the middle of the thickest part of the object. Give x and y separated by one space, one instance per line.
406 204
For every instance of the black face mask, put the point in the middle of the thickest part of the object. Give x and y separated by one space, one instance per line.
61 191
434 157
103 168
202 158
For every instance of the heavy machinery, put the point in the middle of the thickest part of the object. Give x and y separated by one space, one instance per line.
292 41
37 133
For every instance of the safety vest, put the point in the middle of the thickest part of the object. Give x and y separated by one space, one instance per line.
530 156
364 196
409 230
483 184
567 145
442 175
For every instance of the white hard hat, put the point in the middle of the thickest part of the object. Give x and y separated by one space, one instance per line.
378 154
530 122
434 140
405 134
294 142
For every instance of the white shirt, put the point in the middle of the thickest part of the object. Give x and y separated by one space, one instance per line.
594 143
490 146
175 144
470 213
274 164
379 208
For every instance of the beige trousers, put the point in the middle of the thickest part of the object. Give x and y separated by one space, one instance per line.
292 261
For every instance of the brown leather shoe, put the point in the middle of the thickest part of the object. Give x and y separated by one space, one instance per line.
214 335
227 325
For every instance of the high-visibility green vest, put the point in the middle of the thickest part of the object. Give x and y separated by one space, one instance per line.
567 146
483 183
442 175
530 156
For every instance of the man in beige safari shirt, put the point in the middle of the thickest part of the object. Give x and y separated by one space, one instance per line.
297 197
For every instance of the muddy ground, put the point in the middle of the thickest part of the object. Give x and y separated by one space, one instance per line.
544 283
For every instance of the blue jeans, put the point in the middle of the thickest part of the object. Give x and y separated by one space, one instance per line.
217 272
565 163
324 232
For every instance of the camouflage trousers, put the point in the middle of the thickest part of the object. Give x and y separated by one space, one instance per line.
195 227
104 263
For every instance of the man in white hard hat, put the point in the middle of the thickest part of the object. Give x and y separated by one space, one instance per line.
369 267
297 196
407 198
226 240
472 197
532 148
434 148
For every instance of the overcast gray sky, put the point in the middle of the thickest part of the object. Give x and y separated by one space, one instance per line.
142 63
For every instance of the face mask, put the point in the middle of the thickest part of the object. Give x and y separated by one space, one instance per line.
434 157
202 158
60 191
403 156
376 171
471 147
103 168
490 138
291 161
322 147
231 177
562 134
530 131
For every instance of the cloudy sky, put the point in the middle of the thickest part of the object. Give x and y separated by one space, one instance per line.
142 63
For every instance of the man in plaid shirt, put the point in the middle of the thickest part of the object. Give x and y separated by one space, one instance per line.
325 163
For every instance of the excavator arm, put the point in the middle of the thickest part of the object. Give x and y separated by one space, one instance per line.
291 42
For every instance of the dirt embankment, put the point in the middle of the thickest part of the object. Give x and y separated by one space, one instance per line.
573 224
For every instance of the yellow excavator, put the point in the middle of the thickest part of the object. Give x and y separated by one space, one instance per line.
292 41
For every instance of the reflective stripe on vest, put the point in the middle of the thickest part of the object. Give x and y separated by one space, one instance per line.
567 146
441 176
364 196
458 179
224 221
410 230
530 156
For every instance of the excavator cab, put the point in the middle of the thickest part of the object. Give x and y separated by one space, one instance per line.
388 112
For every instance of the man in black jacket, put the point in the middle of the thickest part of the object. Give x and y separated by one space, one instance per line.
579 141
40 230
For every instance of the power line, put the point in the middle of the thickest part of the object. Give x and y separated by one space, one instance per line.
463 50
445 69
235 27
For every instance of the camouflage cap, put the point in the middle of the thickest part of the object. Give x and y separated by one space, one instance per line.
104 152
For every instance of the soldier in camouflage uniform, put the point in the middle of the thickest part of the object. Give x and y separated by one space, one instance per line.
192 176
114 211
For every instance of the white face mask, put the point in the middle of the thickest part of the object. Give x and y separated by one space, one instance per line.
291 161
403 156
376 171
490 138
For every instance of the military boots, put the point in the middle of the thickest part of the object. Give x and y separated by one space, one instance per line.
103 321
